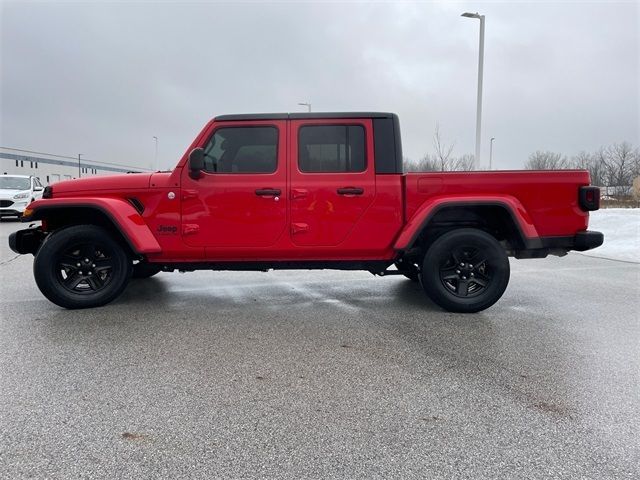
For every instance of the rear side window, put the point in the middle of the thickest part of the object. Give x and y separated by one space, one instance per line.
242 150
331 148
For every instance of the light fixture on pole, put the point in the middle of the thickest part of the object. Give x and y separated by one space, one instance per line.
491 152
306 104
155 162
480 68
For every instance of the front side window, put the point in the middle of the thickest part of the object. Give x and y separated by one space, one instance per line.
242 150
331 148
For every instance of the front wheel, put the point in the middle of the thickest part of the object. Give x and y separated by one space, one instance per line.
465 270
81 267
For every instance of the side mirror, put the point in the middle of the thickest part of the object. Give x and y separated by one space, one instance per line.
196 162
38 189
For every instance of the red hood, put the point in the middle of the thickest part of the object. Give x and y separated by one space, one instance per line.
110 182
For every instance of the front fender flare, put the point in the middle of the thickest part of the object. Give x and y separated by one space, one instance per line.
124 217
428 209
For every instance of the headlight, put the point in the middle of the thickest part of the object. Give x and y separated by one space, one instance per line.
21 195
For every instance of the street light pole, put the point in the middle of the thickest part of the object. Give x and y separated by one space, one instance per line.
480 72
306 104
491 151
79 172
155 161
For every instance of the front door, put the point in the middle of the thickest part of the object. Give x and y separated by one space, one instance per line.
240 198
332 179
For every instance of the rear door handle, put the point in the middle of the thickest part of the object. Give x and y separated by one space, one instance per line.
268 192
350 191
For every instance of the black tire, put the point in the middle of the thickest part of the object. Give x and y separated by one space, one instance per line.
145 270
103 272
465 270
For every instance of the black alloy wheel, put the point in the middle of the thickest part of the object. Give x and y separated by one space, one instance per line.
85 268
81 267
465 270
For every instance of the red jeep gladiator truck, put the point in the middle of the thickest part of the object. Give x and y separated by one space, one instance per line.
304 191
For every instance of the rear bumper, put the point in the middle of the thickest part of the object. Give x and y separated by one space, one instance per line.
587 240
543 246
581 241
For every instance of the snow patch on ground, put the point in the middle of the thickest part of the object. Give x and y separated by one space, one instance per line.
621 228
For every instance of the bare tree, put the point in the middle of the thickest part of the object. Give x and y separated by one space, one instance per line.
443 160
619 161
465 163
592 163
428 163
546 161
443 152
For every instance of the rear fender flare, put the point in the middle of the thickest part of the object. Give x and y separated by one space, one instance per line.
123 215
427 211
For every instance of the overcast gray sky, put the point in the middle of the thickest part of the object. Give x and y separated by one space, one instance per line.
102 78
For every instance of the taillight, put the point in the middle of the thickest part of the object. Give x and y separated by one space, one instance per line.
589 198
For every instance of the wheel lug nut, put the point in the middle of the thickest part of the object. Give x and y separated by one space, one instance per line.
77 264
470 266
472 274
81 272
464 278
86 260
458 272
93 265
90 273
462 264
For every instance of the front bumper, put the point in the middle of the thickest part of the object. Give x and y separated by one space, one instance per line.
10 212
26 241
14 209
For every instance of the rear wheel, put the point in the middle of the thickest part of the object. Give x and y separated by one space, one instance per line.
81 267
465 270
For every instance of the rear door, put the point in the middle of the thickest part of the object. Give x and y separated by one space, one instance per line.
240 198
332 179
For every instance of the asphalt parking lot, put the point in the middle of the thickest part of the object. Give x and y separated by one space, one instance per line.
323 375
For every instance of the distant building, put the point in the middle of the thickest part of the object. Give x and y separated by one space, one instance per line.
50 169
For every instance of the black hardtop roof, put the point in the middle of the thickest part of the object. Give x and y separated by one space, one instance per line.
302 116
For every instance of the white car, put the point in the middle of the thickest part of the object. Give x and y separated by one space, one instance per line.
16 192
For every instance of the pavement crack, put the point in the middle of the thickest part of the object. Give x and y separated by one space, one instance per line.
5 262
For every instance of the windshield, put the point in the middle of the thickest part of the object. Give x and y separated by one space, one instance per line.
14 183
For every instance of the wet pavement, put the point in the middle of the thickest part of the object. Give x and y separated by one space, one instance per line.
323 375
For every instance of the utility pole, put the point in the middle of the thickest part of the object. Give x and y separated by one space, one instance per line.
79 170
306 104
155 161
491 152
480 72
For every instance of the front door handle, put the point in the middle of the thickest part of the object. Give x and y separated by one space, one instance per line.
350 191
268 192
